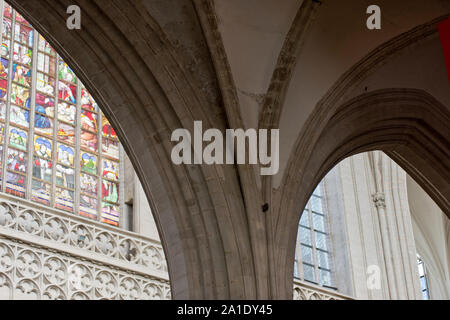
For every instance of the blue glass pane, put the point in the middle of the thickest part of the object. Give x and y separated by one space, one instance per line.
324 259
423 283
305 235
308 273
325 278
319 222
316 204
304 220
307 254
321 241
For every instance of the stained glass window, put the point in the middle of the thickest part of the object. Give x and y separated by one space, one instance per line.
56 146
313 254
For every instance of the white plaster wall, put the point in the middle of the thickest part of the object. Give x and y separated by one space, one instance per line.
357 228
431 234
363 243
144 223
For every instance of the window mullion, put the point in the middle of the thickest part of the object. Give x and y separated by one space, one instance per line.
3 157
299 255
8 98
329 232
32 116
2 8
77 192
121 185
313 244
99 164
55 130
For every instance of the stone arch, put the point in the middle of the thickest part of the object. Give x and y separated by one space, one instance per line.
216 244
409 125
137 77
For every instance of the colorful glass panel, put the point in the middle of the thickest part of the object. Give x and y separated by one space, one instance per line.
88 184
44 46
107 129
45 84
43 125
65 176
18 138
66 133
7 28
56 141
21 75
21 20
42 169
2 110
17 161
67 112
64 199
45 104
88 163
110 148
4 66
88 207
15 184
89 141
110 170
41 192
46 64
19 116
23 34
110 213
110 191
4 49
87 102
67 92
43 147
22 54
66 155
20 96
89 121
65 73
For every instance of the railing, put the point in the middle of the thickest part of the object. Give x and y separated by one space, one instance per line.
47 253
307 291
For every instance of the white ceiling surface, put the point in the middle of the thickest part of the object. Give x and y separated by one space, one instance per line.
253 32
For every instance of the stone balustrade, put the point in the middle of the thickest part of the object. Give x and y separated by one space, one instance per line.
306 291
50 254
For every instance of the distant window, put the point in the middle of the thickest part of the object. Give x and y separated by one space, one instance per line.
313 254
423 279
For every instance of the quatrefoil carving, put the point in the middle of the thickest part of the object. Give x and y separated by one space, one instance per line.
30 222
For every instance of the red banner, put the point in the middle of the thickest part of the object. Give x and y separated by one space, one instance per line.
444 34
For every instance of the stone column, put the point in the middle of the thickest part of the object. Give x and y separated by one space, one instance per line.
394 225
